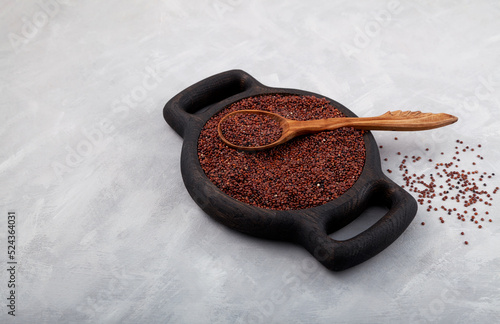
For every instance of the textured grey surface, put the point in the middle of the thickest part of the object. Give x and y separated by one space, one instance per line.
107 232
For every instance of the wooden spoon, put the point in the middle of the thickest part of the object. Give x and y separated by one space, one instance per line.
391 120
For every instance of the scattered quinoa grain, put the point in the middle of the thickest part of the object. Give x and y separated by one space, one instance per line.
453 185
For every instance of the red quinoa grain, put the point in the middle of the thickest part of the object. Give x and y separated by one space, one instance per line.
305 172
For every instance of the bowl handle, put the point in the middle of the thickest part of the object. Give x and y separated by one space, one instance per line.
188 105
339 255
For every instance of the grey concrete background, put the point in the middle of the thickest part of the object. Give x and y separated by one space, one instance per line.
107 233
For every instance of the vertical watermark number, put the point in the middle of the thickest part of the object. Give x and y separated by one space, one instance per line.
11 263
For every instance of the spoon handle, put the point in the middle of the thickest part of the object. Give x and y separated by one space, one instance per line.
403 121
392 120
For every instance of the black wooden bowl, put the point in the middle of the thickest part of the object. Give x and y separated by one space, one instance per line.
188 112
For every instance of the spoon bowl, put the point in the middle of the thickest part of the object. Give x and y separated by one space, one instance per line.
283 124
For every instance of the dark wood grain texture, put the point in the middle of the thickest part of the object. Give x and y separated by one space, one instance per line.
188 112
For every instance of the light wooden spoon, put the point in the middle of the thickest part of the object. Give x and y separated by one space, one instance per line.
391 120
